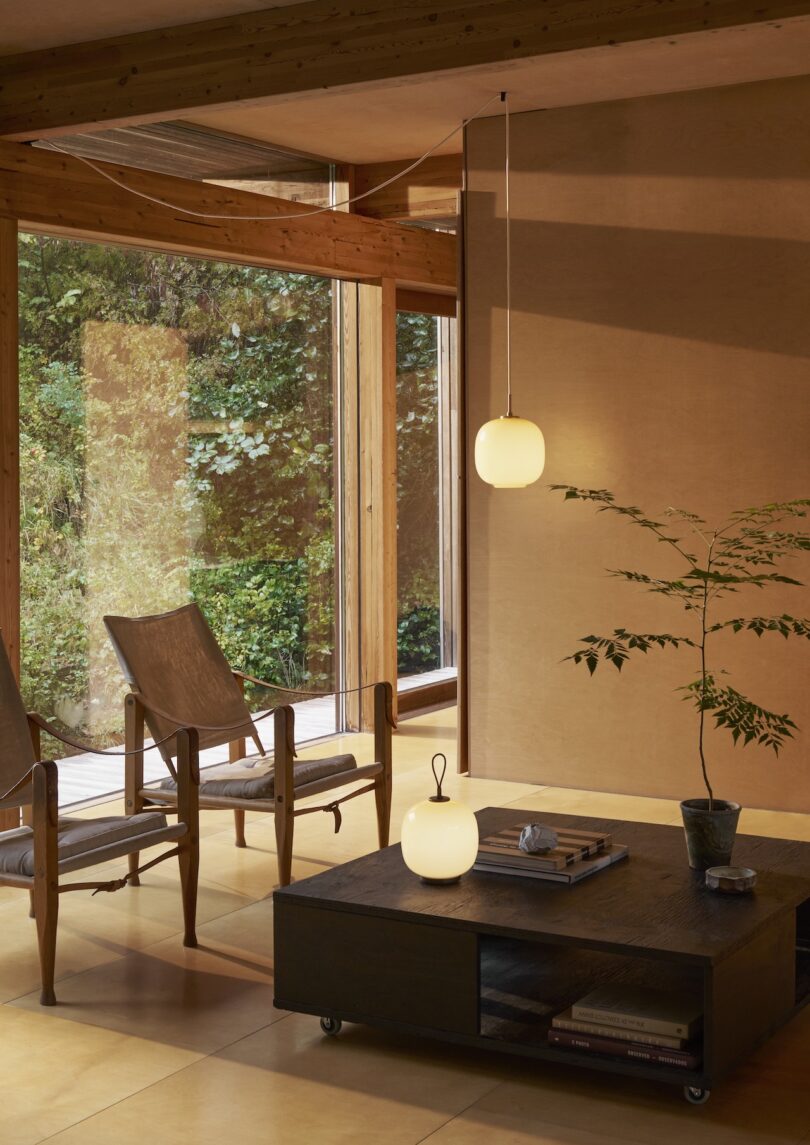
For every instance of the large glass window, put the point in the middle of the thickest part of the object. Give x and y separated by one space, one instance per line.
426 493
176 445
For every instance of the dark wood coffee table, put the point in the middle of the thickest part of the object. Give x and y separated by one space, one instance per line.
488 962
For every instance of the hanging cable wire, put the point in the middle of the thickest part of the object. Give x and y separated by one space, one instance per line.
275 218
505 102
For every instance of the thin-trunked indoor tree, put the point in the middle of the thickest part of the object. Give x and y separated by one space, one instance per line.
746 551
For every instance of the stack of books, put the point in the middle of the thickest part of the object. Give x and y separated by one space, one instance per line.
637 1022
577 855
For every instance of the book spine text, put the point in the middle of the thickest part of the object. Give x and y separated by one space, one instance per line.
656 1055
630 1022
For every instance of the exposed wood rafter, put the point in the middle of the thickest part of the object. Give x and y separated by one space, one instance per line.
289 51
421 302
428 194
46 190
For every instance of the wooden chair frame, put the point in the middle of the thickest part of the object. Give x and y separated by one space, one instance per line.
286 794
43 816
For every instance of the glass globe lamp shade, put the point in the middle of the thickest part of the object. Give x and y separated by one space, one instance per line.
510 452
439 840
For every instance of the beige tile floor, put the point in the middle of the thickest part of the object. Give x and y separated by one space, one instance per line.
154 1043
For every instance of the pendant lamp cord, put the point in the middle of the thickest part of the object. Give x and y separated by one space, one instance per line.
276 218
505 102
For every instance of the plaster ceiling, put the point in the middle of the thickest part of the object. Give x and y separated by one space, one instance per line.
403 119
26 27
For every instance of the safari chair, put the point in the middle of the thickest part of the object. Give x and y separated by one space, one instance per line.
36 856
179 676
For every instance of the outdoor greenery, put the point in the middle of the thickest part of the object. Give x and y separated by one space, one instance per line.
176 444
258 611
746 551
418 554
419 640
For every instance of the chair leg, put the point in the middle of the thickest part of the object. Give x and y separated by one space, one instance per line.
284 845
283 755
46 899
134 718
382 797
189 859
31 906
239 827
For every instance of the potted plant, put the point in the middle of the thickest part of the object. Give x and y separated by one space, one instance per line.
747 550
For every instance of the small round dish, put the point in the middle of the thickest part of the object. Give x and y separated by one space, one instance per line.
731 880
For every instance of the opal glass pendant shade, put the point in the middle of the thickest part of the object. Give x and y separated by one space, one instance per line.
510 452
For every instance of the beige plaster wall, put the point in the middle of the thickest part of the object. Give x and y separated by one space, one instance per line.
661 317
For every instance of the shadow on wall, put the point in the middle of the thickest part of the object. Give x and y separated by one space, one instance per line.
679 284
664 135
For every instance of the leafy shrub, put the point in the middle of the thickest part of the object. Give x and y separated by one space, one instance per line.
258 610
418 555
419 640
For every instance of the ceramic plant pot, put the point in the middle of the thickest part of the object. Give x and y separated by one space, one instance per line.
709 834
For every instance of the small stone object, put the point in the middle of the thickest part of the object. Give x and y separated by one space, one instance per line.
731 880
535 839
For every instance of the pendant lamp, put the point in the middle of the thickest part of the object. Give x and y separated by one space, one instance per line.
510 452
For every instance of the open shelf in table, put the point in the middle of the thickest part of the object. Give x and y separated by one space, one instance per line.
525 984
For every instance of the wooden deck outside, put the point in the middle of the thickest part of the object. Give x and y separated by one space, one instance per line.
84 778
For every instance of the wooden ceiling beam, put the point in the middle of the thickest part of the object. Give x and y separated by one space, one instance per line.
422 302
280 53
46 190
428 193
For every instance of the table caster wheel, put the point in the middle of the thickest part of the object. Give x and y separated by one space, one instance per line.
696 1096
331 1026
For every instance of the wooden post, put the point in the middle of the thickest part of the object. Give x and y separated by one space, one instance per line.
377 332
9 461
344 365
369 485
347 483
